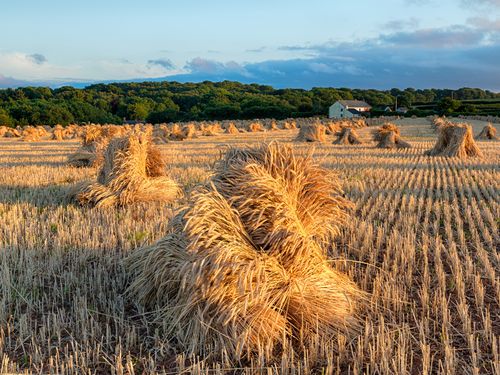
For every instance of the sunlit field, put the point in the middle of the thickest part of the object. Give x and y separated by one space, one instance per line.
422 242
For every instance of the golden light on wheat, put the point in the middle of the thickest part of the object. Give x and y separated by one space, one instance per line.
421 242
245 269
132 171
389 136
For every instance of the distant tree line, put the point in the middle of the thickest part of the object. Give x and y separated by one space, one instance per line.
158 102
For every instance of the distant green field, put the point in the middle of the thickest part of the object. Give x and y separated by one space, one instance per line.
482 106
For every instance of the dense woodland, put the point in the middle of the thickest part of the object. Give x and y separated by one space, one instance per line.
158 102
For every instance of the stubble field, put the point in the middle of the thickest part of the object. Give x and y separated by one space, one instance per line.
423 242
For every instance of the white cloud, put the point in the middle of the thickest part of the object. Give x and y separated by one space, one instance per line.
31 66
485 24
401 24
201 65
475 3
36 67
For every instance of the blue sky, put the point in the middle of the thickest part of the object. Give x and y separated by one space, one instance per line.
366 44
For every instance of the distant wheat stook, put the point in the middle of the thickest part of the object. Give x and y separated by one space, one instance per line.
255 127
232 129
455 140
488 133
31 134
312 133
347 136
244 272
91 152
132 171
389 136
58 133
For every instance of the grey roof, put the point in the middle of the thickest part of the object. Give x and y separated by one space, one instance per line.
355 112
354 103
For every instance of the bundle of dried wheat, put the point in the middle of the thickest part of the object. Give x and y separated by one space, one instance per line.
289 125
255 127
273 125
312 133
232 129
488 133
347 136
58 133
244 271
455 140
333 128
12 133
91 151
132 171
30 134
389 136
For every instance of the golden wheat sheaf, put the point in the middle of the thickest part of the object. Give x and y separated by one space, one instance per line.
245 269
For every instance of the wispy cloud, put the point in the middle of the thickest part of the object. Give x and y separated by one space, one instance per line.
418 2
36 67
485 24
256 50
31 66
37 58
296 48
410 23
164 63
475 3
206 66
454 56
454 36
441 57
468 4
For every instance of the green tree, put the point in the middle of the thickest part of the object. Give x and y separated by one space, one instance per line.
448 105
138 111
174 101
5 119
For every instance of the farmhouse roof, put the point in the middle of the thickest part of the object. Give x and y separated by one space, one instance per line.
355 112
354 103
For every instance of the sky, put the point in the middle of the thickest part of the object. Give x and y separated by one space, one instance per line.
328 43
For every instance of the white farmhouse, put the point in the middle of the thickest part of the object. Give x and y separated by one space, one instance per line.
349 109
